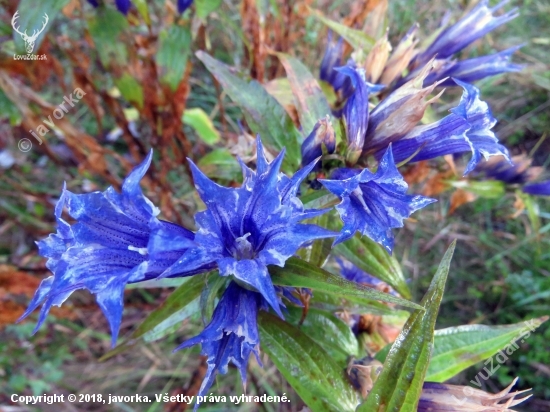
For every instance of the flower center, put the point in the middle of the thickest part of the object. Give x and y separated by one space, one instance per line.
243 248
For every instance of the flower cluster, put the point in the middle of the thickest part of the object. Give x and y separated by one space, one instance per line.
386 68
119 240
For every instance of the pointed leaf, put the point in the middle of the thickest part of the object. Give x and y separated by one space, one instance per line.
372 258
328 330
311 102
299 273
172 54
199 120
399 385
357 39
130 89
458 348
263 113
313 374
106 25
31 19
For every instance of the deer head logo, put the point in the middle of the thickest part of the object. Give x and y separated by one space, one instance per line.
29 40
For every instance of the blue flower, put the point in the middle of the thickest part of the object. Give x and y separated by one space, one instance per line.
106 249
356 113
184 5
538 189
466 129
123 6
474 25
245 229
231 336
474 69
373 203
322 134
331 60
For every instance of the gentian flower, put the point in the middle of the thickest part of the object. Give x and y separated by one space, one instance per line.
107 248
322 134
373 203
467 128
356 113
474 25
123 6
538 189
184 5
398 113
245 229
231 336
331 60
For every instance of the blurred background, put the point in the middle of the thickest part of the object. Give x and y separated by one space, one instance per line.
136 84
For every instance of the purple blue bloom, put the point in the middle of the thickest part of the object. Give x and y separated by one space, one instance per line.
478 68
467 128
373 203
231 336
123 6
474 25
184 5
356 113
331 60
538 189
106 249
243 230
322 134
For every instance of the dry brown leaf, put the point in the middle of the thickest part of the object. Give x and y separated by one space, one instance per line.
460 197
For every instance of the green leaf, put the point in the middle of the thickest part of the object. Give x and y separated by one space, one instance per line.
176 303
299 273
311 102
357 39
458 348
399 385
263 113
31 18
106 25
313 374
328 330
130 89
171 323
321 248
173 53
490 189
209 295
372 258
199 120
204 7
221 164
141 6
8 110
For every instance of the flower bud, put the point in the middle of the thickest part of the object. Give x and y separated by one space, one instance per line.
377 59
322 134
